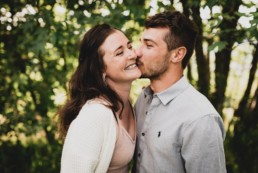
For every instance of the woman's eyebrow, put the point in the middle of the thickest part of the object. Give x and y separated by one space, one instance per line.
118 48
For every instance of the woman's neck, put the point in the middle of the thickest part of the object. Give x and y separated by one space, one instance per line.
122 90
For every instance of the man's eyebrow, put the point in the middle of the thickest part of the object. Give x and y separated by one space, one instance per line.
149 40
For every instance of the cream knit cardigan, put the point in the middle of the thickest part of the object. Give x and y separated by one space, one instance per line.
90 140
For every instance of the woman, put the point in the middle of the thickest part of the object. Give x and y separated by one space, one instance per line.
98 120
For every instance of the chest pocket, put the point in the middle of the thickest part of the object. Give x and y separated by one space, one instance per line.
165 141
164 149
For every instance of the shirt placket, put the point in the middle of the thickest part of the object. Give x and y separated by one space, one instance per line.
147 124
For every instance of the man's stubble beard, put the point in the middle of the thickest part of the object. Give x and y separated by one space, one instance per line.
157 70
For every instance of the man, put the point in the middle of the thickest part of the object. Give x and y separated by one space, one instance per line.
179 131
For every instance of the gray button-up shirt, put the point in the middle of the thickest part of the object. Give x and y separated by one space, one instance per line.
178 131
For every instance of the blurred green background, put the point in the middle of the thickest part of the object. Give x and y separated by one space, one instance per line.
38 52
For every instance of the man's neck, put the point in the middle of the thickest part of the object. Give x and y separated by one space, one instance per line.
165 81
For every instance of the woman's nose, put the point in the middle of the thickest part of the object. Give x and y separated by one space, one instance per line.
138 52
132 54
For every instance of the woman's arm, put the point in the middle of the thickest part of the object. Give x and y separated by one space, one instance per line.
90 140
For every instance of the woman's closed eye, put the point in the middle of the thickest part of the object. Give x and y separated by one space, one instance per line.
119 53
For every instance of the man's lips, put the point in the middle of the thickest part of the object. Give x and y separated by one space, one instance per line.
138 63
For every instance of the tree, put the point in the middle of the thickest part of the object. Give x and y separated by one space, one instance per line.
38 48
38 52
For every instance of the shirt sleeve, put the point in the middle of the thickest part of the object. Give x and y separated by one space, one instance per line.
202 147
85 139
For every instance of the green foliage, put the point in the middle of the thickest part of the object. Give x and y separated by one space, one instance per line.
39 43
218 46
39 49
36 157
242 144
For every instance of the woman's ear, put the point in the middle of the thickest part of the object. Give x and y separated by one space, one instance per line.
178 54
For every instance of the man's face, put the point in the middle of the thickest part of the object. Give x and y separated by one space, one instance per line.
153 54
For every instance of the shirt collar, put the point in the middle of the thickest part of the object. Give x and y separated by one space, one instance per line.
170 93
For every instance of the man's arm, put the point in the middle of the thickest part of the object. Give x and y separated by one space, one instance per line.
202 148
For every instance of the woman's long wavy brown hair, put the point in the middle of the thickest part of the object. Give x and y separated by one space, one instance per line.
87 81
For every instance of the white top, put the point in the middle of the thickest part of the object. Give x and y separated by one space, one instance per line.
90 140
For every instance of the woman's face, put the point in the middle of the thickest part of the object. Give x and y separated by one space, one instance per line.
119 59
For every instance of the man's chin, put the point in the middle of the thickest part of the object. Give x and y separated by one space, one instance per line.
144 76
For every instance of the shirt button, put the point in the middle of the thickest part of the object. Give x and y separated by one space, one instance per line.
139 154
143 134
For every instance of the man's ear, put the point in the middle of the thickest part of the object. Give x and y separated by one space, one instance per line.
178 54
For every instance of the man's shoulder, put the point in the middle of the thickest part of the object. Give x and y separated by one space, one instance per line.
195 102
195 96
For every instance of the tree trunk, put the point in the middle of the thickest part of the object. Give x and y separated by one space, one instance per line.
244 101
223 57
203 67
189 73
222 63
255 105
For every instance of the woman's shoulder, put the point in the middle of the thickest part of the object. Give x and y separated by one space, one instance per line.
99 101
96 108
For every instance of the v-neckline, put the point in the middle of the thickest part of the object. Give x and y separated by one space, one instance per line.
133 139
